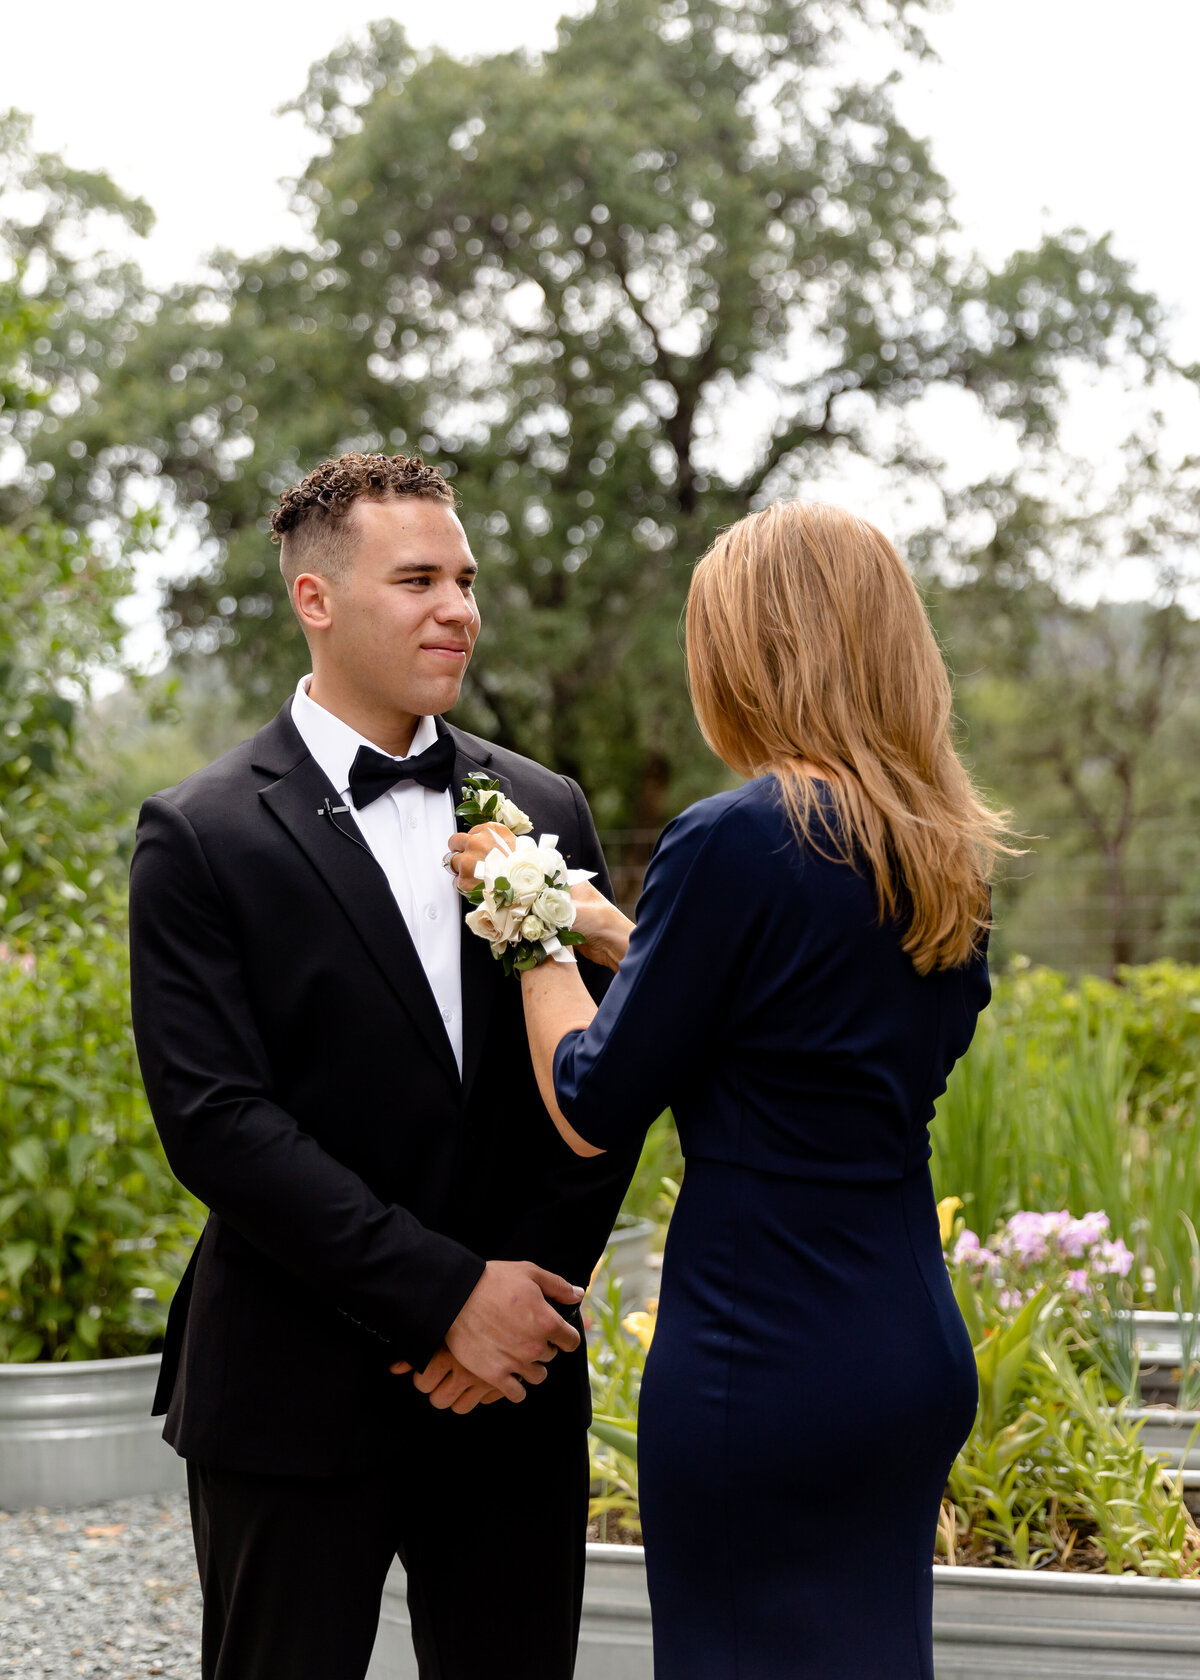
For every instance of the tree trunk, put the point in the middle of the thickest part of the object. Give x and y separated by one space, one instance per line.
629 856
651 803
1120 941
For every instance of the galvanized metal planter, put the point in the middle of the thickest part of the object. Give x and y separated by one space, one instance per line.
993 1624
1160 1348
627 1255
1158 1333
81 1431
989 1624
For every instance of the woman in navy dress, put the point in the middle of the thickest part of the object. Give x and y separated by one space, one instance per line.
807 965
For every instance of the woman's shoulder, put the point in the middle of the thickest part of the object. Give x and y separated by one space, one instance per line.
754 805
726 828
751 826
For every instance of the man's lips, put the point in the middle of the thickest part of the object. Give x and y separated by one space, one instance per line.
446 650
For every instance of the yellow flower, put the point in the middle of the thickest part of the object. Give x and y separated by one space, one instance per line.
946 1209
641 1324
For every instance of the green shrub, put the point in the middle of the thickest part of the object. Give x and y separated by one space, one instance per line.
617 1347
94 1229
1159 1007
1053 1475
661 1158
1083 1097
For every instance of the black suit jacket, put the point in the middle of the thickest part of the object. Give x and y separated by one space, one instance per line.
305 1090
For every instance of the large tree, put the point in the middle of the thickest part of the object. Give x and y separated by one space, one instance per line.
1084 717
623 292
65 309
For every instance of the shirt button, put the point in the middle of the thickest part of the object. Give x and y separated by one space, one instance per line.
446 1014
431 910
412 821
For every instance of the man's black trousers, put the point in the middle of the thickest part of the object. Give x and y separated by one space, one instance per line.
487 1513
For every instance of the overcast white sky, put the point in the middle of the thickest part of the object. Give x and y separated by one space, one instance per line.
1043 113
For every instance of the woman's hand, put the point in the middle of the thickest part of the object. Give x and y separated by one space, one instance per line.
467 851
605 929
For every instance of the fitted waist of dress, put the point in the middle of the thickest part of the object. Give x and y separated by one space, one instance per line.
851 1174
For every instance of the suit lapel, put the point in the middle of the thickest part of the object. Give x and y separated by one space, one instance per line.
345 863
481 974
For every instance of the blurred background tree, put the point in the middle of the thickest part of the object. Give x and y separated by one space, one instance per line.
1084 718
560 277
65 309
687 261
683 263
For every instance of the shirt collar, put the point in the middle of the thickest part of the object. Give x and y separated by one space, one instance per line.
333 743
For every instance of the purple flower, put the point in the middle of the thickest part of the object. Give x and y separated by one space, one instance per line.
1113 1257
1081 1234
967 1247
1078 1281
1026 1237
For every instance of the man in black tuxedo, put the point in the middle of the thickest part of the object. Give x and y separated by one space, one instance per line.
339 1070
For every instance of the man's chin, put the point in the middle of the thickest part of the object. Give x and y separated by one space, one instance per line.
436 698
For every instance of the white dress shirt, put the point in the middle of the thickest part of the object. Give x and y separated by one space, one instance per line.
406 831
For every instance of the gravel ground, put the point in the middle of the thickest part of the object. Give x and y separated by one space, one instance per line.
100 1590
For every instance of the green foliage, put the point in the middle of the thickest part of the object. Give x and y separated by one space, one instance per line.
1159 1008
558 277
616 1359
1052 1476
1084 719
1083 1097
1000 1356
66 306
147 736
65 311
660 1168
94 1230
56 844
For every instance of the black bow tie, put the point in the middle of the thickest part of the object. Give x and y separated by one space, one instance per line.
374 773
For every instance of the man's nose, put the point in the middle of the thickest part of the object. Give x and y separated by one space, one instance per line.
453 607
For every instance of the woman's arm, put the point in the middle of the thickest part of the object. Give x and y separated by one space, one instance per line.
556 1002
706 904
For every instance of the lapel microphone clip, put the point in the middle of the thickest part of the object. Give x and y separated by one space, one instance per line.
333 812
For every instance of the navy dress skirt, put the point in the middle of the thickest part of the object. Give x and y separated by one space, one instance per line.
810 1379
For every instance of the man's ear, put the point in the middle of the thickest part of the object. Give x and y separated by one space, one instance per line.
312 600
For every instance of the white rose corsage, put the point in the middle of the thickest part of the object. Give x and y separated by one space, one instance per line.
524 907
483 802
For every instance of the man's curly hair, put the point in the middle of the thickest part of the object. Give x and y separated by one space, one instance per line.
310 522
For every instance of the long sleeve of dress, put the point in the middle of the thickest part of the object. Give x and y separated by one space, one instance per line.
697 922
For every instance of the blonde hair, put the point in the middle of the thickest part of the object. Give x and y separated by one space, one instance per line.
807 640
